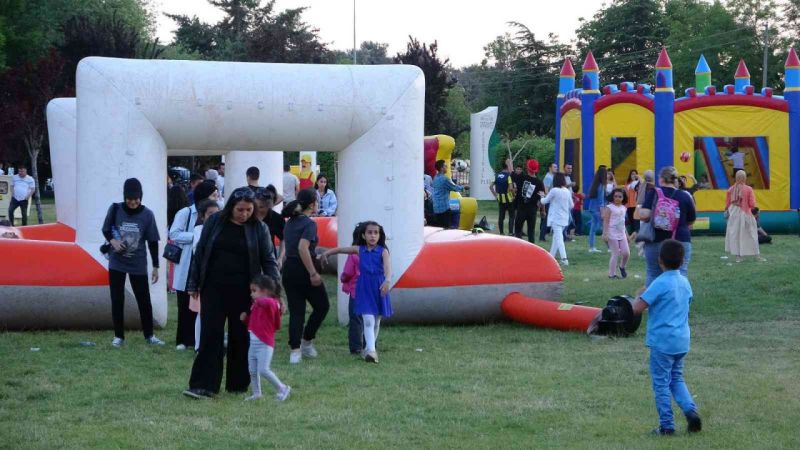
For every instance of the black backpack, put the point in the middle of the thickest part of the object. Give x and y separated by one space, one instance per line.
617 318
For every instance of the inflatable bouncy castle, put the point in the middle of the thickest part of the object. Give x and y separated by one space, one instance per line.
641 127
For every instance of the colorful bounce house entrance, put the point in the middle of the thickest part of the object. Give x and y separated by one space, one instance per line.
704 134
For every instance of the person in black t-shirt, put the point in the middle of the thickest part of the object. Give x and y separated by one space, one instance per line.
529 191
503 190
301 281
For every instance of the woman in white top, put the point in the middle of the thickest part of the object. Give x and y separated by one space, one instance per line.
205 209
182 234
560 200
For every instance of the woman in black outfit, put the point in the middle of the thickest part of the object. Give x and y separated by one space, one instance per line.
233 248
128 225
300 279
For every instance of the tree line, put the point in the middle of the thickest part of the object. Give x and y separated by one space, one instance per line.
42 41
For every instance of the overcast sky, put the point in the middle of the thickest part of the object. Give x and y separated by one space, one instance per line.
462 27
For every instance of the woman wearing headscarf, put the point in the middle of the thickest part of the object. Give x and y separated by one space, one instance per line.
233 248
130 229
681 229
741 233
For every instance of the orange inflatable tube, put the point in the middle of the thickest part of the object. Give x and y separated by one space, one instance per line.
549 314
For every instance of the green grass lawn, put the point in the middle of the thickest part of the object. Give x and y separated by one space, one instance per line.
485 386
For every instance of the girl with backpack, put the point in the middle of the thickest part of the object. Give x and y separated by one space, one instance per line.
672 213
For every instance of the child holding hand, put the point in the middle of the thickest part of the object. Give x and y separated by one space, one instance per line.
372 288
349 280
262 322
668 298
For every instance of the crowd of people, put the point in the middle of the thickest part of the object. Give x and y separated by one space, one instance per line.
231 260
619 213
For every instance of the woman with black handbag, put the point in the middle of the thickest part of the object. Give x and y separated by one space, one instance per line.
127 227
233 248
182 234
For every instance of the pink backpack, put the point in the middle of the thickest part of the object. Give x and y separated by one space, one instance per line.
666 213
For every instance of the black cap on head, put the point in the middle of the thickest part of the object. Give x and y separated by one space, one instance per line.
132 189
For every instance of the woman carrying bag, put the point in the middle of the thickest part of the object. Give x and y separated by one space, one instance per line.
182 234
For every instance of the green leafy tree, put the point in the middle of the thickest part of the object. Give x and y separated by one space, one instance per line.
100 36
625 37
250 32
24 93
520 76
458 120
437 81
709 29
522 148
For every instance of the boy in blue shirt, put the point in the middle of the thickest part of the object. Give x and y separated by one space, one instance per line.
668 298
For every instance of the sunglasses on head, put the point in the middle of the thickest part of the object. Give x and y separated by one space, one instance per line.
243 193
263 193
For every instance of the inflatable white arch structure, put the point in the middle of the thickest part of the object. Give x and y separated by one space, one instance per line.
132 113
129 115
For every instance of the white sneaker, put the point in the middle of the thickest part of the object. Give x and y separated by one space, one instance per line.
308 350
564 262
117 342
283 394
252 397
295 356
153 340
594 250
180 347
371 357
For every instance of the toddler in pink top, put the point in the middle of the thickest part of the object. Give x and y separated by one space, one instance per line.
349 278
263 322
615 234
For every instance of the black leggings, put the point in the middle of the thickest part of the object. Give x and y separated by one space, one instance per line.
298 289
221 303
186 318
141 290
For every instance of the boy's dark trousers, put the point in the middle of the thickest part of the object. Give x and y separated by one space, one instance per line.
577 221
526 212
355 328
502 208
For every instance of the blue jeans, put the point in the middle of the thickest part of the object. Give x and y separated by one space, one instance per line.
355 328
666 371
595 223
651 251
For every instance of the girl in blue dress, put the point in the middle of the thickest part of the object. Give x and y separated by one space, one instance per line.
372 287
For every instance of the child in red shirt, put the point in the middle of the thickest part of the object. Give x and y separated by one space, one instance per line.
262 322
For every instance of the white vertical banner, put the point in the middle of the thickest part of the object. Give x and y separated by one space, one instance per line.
481 172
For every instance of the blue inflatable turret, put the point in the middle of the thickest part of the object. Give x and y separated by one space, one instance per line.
591 92
664 112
